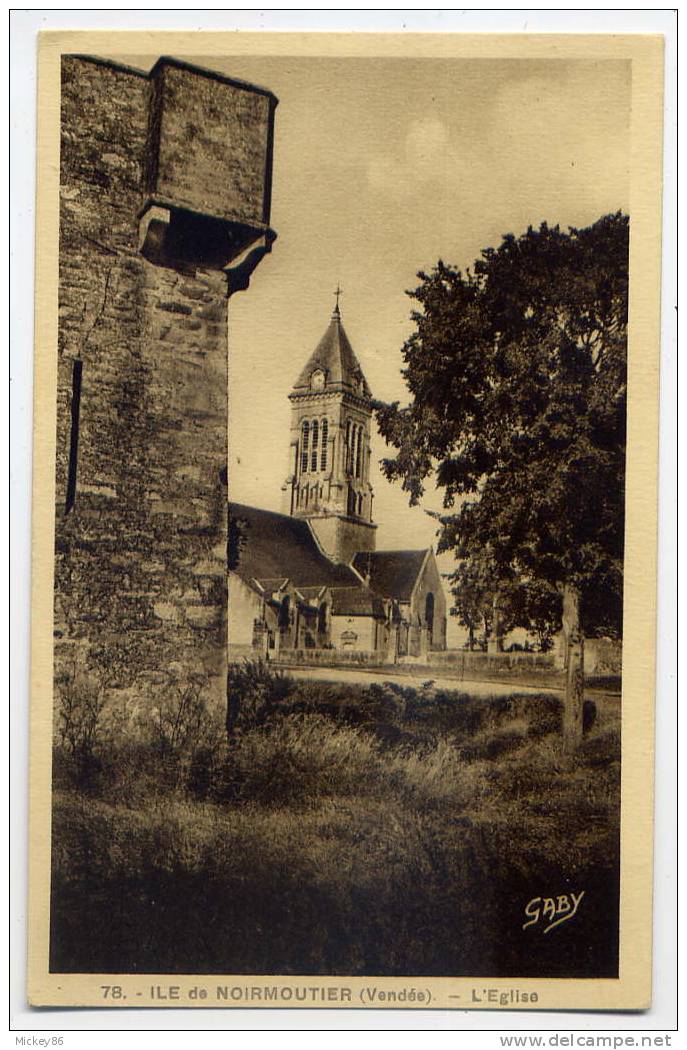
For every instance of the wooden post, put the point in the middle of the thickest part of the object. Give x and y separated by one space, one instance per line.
574 671
495 643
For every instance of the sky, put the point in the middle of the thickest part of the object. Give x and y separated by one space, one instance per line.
381 167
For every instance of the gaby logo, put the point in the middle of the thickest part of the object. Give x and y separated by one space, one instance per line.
552 910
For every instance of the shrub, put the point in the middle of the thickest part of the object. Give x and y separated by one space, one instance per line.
300 758
80 727
303 758
253 691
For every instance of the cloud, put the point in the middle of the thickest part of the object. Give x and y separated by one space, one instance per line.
426 141
536 147
424 161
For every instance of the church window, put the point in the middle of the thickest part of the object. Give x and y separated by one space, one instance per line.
323 455
74 436
360 504
429 614
284 615
349 438
359 452
315 436
304 447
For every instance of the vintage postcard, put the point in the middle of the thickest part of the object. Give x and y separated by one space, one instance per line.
345 485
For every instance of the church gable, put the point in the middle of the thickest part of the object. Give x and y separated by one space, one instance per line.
393 574
427 607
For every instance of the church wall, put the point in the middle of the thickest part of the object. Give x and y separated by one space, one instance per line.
140 556
245 606
354 633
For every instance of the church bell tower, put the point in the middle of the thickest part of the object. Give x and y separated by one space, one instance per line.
329 457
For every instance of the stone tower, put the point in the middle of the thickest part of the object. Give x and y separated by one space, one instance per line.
165 183
329 455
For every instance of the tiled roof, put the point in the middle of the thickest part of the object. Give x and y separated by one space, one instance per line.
334 355
276 546
392 574
356 601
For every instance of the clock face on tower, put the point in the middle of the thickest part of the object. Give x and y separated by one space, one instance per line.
317 379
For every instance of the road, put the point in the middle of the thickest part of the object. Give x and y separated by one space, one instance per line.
361 676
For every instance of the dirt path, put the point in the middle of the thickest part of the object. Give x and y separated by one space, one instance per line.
365 677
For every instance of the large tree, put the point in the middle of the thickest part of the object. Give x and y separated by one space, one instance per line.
517 376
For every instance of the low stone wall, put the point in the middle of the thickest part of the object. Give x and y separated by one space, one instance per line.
457 663
329 658
463 660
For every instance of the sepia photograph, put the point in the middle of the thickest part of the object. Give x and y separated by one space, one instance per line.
337 575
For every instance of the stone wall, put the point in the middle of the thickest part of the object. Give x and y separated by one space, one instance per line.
140 571
327 658
462 660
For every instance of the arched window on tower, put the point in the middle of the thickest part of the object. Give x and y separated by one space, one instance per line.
323 454
315 431
305 436
359 452
349 439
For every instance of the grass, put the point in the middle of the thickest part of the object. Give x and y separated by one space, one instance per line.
345 830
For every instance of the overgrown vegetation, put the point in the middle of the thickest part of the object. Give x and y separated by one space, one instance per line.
378 829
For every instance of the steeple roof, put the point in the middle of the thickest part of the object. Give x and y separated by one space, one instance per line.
334 356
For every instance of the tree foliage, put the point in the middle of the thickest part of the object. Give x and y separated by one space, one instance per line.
528 603
517 376
472 586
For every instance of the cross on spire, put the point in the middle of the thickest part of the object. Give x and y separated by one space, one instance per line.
337 292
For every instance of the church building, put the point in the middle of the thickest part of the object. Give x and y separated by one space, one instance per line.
311 578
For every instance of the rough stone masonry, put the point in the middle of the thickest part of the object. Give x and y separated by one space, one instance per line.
165 206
